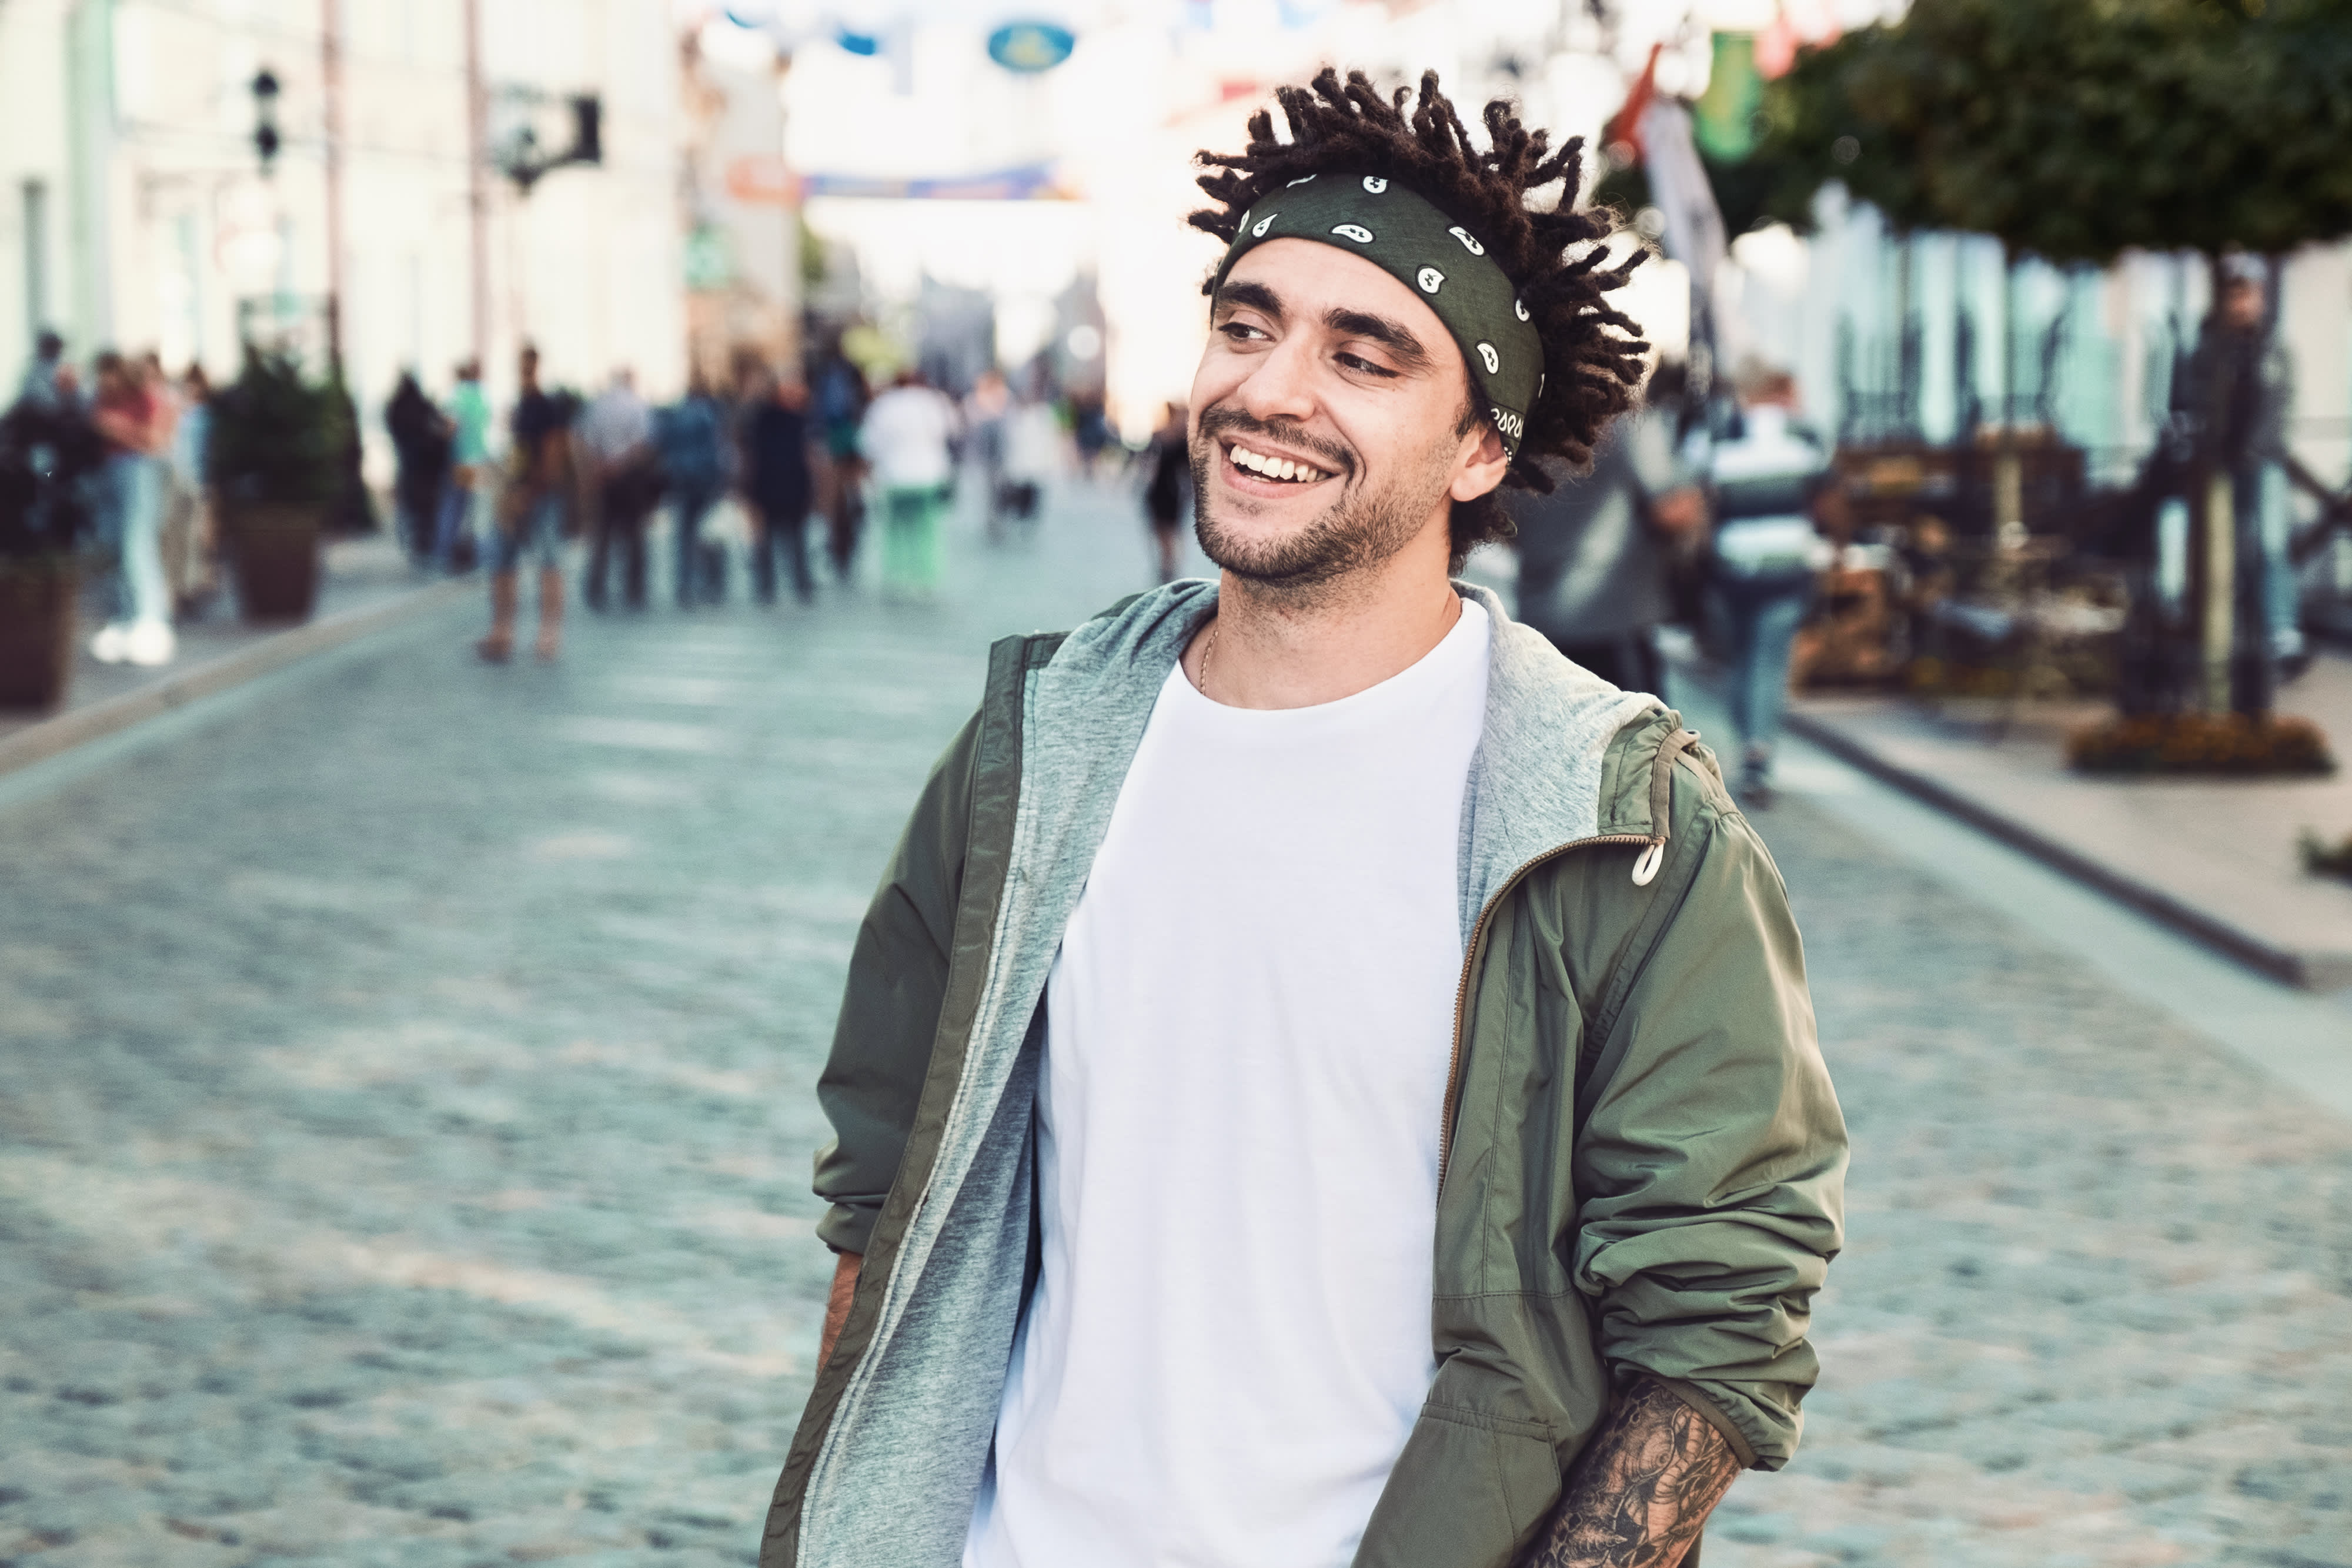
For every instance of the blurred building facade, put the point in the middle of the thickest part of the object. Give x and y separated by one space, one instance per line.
1927 335
744 242
138 216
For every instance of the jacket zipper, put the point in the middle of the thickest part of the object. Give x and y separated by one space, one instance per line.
1470 964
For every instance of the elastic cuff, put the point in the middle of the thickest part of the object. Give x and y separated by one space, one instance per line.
847 1227
1691 1395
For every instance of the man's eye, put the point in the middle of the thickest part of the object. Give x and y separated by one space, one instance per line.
1358 362
1240 331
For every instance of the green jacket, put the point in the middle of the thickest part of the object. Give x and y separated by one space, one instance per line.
1642 1165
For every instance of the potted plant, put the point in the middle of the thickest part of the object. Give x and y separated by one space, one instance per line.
47 456
273 450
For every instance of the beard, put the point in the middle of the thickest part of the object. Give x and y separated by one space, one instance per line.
1364 525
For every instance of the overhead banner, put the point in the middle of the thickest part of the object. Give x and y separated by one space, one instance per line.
763 178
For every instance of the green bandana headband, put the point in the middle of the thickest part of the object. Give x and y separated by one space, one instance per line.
1400 232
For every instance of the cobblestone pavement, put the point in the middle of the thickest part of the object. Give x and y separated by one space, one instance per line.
405 1123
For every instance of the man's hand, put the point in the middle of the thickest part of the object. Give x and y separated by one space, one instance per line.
1641 1487
837 1301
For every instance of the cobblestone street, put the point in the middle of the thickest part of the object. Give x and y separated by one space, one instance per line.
405 1128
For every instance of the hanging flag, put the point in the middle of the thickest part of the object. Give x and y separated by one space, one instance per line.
1624 127
1679 188
1725 115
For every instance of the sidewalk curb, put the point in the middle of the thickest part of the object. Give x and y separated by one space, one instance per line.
2320 971
53 737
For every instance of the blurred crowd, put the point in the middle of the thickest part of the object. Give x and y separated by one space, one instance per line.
144 486
770 472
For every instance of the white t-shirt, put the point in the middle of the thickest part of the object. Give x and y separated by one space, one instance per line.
1248 1031
905 437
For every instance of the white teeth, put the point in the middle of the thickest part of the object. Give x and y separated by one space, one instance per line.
1272 468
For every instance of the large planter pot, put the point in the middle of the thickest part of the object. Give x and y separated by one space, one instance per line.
36 630
275 552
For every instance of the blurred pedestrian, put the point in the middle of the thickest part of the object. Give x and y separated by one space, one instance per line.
841 402
905 439
777 485
616 439
1033 455
690 435
2237 391
1089 429
469 415
192 549
1765 480
172 517
986 411
48 382
421 448
1167 486
531 518
131 418
1594 555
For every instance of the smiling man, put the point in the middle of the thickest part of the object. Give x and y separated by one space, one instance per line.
1325 1080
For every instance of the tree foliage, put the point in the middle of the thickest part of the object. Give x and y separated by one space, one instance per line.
276 436
2075 129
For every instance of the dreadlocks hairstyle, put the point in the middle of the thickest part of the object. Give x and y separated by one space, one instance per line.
1592 351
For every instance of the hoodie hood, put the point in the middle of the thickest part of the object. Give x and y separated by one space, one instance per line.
1536 779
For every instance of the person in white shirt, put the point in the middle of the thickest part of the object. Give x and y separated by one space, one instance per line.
906 441
616 434
1767 558
1325 1081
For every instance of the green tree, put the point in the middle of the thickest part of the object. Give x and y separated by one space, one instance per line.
1814 133
2072 129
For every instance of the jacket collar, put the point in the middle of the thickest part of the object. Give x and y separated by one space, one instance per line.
1536 780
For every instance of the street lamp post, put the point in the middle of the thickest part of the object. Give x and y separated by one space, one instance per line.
518 156
330 79
478 199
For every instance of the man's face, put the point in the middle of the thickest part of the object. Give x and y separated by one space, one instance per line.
1322 366
2241 305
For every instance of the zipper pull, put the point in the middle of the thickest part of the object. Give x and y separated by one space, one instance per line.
1645 870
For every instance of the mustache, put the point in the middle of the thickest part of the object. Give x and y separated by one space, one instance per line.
1219 420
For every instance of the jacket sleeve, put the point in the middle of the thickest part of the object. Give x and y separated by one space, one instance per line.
890 1009
1712 1160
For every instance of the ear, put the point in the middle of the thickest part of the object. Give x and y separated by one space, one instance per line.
1481 464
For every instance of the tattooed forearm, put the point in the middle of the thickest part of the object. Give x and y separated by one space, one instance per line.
1641 1487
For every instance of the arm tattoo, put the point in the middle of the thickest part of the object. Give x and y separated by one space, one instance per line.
1642 1488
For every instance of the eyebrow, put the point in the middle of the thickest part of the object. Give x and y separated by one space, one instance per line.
1250 296
1390 334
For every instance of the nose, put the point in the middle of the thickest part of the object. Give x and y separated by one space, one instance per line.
1281 384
